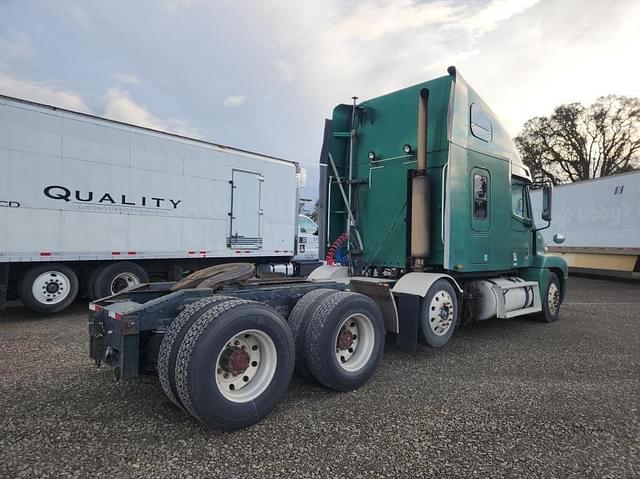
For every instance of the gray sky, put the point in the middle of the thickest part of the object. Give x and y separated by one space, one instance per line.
263 74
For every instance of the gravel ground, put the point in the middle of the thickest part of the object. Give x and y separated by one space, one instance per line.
504 399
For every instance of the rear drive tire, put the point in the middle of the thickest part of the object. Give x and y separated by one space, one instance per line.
344 341
234 364
49 288
438 315
298 321
173 338
118 276
551 301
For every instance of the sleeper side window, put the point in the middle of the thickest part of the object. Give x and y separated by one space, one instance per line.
480 196
481 126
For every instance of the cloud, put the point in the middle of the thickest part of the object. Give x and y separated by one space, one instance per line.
41 93
126 78
234 101
120 106
177 6
15 46
285 70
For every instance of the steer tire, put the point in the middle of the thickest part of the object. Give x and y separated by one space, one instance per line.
198 364
65 280
108 274
299 320
173 338
552 294
323 345
426 334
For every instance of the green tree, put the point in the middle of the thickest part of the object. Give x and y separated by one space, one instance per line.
581 142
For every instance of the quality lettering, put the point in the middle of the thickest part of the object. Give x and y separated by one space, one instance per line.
68 195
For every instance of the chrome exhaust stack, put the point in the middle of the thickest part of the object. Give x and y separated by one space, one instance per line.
420 192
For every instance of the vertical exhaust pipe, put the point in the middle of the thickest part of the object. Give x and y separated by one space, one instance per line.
420 191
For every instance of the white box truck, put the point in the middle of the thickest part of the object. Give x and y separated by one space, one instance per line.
599 222
89 205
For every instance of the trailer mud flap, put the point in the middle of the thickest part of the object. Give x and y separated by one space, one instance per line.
4 285
408 316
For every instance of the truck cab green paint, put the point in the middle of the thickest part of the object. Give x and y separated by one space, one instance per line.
481 220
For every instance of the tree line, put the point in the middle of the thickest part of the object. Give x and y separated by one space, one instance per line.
578 142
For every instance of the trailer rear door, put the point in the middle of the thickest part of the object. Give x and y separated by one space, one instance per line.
246 210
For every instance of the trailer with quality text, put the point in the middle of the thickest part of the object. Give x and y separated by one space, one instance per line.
94 206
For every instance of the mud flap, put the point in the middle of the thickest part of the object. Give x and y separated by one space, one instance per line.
408 317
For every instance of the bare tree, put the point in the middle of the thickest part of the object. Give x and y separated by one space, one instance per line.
577 143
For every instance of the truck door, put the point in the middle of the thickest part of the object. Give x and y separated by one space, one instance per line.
245 229
521 237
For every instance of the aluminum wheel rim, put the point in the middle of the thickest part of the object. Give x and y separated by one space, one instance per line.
51 287
354 353
262 359
124 281
441 313
553 298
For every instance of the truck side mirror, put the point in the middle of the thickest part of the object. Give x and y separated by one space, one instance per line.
547 191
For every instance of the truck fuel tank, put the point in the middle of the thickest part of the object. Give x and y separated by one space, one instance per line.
483 295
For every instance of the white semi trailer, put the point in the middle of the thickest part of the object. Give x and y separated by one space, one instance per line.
92 205
600 222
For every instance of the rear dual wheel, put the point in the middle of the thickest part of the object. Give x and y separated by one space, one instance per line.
343 340
229 363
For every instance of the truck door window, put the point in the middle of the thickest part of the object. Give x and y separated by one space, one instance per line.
519 200
480 196
306 225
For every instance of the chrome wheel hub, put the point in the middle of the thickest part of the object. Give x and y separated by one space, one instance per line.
354 342
246 365
553 298
123 281
51 287
441 313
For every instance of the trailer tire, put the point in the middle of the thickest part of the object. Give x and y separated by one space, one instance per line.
49 288
551 301
345 340
115 277
299 320
90 285
173 338
434 329
252 345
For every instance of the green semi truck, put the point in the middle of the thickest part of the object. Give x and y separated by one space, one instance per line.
427 224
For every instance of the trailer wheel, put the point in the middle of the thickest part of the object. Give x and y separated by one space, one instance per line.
551 301
49 288
439 315
234 364
173 338
118 276
298 321
344 341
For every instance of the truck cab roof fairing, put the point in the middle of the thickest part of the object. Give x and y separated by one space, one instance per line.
466 103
